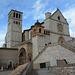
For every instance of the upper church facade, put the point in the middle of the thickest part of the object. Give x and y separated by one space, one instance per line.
54 28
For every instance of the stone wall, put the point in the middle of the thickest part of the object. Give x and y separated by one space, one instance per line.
8 54
63 70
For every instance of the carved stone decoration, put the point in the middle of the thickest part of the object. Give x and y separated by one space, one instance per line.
61 39
60 27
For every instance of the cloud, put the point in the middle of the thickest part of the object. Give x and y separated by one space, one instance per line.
1 16
70 15
39 8
25 17
1 43
3 2
72 33
2 36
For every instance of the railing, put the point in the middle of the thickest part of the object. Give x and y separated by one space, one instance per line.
24 69
27 69
68 47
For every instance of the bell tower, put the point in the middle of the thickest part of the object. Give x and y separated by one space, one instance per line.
14 31
37 38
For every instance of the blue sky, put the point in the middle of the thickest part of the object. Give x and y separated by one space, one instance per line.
33 10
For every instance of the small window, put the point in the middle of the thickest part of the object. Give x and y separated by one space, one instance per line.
16 22
19 15
58 17
40 30
16 15
34 30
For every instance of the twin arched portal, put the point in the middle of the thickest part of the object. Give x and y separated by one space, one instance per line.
24 57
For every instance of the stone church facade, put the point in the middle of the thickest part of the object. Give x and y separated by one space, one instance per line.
46 44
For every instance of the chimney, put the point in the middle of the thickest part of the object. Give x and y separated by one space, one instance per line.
47 15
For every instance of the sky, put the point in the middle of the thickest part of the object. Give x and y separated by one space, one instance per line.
33 10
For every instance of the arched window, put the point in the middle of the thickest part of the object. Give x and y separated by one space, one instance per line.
16 15
19 15
16 22
13 14
58 17
40 30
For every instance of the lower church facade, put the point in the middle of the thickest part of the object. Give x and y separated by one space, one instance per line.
46 44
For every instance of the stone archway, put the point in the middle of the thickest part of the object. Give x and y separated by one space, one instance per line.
61 39
10 64
22 56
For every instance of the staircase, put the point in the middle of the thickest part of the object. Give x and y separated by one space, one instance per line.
42 72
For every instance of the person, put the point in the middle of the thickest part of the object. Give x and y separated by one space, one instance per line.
48 67
49 42
1 67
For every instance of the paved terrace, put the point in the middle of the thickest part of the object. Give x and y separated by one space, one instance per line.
5 72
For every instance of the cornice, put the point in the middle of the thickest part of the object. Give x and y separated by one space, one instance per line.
59 33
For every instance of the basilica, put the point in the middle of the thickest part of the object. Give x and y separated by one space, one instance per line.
46 44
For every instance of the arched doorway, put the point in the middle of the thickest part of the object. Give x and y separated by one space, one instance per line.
61 39
10 64
22 56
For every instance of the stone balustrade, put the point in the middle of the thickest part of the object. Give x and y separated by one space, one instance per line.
24 69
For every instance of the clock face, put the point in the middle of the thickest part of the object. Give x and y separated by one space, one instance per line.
60 27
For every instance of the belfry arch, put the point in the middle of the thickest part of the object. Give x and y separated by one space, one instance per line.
22 56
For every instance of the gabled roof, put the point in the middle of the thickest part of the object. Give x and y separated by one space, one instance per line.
60 13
